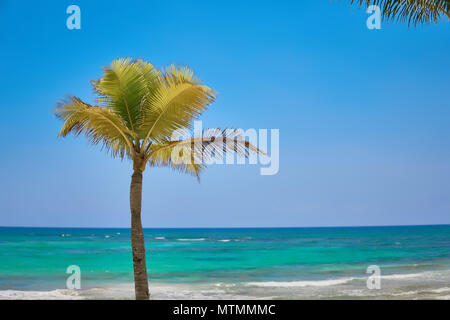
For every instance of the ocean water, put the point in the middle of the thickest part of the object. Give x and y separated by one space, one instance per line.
278 263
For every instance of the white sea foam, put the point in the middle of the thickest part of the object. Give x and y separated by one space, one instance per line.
59 294
126 291
225 240
160 238
318 283
441 290
406 293
424 291
195 239
402 276
321 289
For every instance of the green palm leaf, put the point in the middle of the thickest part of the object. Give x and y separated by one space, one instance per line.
140 107
122 89
411 11
214 142
100 125
179 99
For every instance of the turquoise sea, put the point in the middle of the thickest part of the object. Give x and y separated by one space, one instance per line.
272 263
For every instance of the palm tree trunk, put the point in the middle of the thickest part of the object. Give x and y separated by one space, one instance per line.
137 238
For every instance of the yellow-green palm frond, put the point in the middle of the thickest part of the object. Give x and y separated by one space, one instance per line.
191 155
412 11
100 125
217 142
139 108
123 88
179 98
161 155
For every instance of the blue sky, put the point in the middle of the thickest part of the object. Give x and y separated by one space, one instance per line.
363 114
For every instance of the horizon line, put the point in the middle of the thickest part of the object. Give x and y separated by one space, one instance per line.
277 227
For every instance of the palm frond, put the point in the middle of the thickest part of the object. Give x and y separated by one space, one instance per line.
179 98
140 108
411 11
161 155
150 77
100 125
193 153
123 88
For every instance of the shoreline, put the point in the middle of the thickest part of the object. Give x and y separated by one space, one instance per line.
425 285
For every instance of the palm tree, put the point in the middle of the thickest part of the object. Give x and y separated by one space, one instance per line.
139 108
413 11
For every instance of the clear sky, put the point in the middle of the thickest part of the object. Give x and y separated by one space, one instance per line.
363 114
